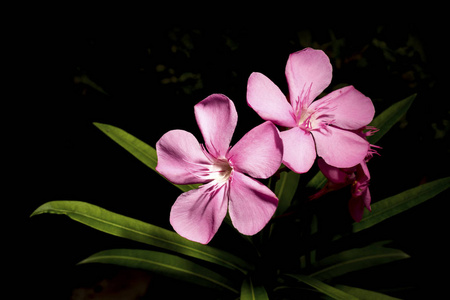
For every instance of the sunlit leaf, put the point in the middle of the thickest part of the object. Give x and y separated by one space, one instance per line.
323 287
145 153
381 210
285 189
122 226
252 291
355 260
164 264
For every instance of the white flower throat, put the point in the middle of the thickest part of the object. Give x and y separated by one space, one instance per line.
220 170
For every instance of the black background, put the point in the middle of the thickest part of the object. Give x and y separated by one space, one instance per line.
55 153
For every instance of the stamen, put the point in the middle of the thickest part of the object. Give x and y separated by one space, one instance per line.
370 130
302 100
317 118
371 152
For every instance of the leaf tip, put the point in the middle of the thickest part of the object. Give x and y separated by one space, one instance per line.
39 210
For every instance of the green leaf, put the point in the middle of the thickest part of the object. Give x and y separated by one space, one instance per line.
285 189
318 181
164 264
139 149
394 205
252 291
86 80
122 226
355 260
389 117
364 294
323 287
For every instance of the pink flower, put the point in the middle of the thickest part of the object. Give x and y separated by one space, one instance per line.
360 192
197 214
358 177
323 125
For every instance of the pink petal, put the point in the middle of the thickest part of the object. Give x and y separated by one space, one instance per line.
259 152
197 214
340 148
367 199
363 180
356 208
307 70
181 158
299 149
216 117
351 109
251 204
333 174
364 172
268 101
356 205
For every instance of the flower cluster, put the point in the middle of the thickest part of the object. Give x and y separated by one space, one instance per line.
330 127
358 177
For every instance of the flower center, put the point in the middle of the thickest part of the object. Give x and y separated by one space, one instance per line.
315 117
307 120
220 170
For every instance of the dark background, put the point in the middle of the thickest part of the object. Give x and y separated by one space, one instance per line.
146 78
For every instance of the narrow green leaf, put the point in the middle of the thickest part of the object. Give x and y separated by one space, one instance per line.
86 80
143 152
252 291
323 287
364 294
394 205
389 117
355 260
163 264
285 189
125 227
318 181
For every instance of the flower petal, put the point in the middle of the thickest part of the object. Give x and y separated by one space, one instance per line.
363 180
340 148
356 208
251 204
356 205
351 109
333 174
307 70
180 158
363 173
299 149
217 118
259 152
268 101
367 199
197 214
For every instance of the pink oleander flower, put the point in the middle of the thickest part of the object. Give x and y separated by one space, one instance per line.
323 126
358 177
197 214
